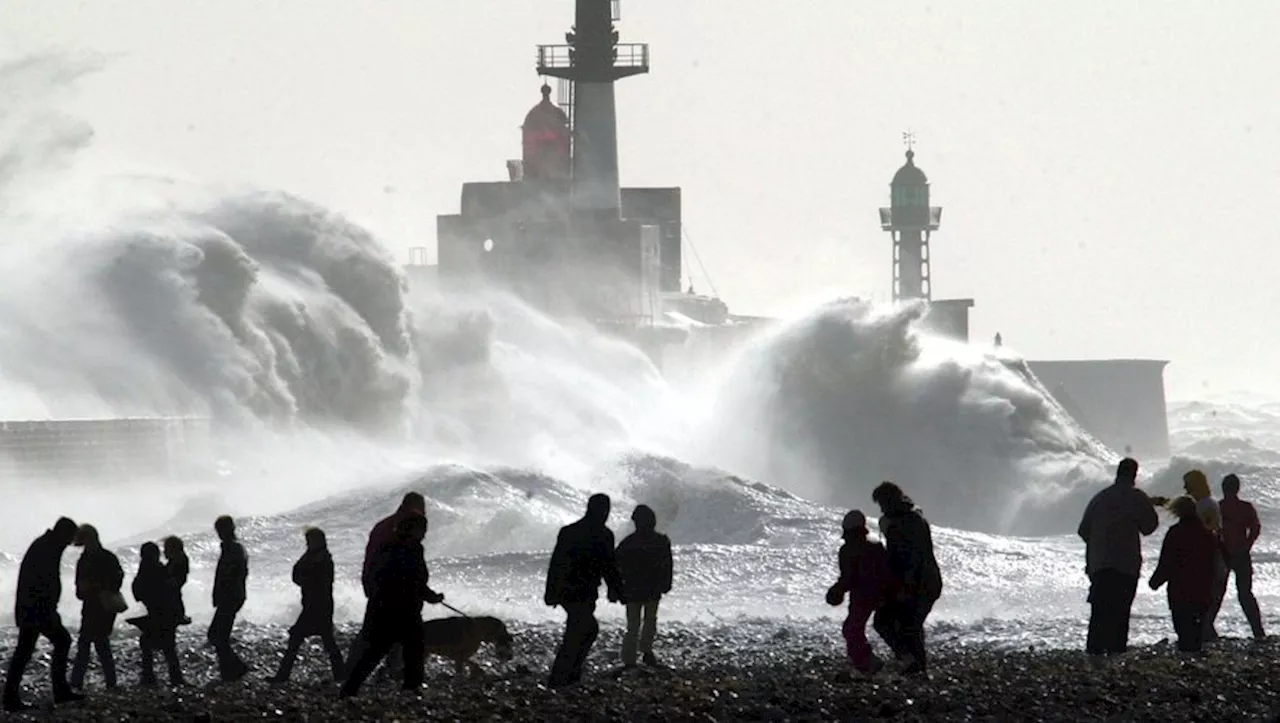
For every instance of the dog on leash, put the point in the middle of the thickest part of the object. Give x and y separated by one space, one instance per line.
459 638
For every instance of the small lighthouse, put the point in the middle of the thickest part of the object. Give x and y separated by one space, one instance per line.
910 221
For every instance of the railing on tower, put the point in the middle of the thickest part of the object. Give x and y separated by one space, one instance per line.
560 57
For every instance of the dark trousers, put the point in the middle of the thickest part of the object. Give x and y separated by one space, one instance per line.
380 637
165 641
102 645
230 665
580 631
28 635
295 644
1110 601
901 624
1241 563
1188 623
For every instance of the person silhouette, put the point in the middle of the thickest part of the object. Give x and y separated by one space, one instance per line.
228 597
99 578
157 588
644 562
398 584
584 554
313 573
39 589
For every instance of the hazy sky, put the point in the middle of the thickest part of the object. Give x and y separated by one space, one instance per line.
1109 171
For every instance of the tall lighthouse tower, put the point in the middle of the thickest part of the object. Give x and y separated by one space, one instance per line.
588 66
910 220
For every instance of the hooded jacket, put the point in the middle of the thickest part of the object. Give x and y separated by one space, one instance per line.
644 562
864 572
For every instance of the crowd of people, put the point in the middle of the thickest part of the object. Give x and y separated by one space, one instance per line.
1210 541
892 584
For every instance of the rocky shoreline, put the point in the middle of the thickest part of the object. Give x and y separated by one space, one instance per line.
721 672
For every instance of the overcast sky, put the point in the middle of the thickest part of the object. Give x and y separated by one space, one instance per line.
1109 171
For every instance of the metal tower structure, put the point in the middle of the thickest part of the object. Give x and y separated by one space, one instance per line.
910 220
588 65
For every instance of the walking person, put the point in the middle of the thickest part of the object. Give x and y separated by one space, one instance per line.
399 584
1112 528
313 573
39 589
383 534
644 563
865 577
228 598
1240 529
917 579
99 578
1187 565
161 593
583 556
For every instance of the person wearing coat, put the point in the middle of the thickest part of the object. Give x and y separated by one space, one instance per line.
644 563
917 579
400 585
228 597
865 577
39 589
99 578
583 556
313 573
1188 564
161 593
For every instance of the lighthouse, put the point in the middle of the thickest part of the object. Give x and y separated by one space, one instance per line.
911 221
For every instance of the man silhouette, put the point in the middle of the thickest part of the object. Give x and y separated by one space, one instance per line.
584 554
36 614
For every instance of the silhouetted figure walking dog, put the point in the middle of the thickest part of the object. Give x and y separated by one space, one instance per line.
400 584
584 554
99 578
156 588
228 597
36 613
383 534
313 572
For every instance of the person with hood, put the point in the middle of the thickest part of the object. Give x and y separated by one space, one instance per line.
161 593
1187 565
583 555
36 614
228 598
383 534
917 580
644 563
99 578
1112 528
1240 529
178 568
313 573
400 583
1197 487
865 577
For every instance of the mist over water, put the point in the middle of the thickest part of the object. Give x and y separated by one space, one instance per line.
332 387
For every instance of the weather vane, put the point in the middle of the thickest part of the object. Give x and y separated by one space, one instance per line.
909 139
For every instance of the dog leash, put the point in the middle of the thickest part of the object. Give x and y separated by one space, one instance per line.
456 610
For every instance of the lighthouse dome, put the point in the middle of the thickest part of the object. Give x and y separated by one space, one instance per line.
909 174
